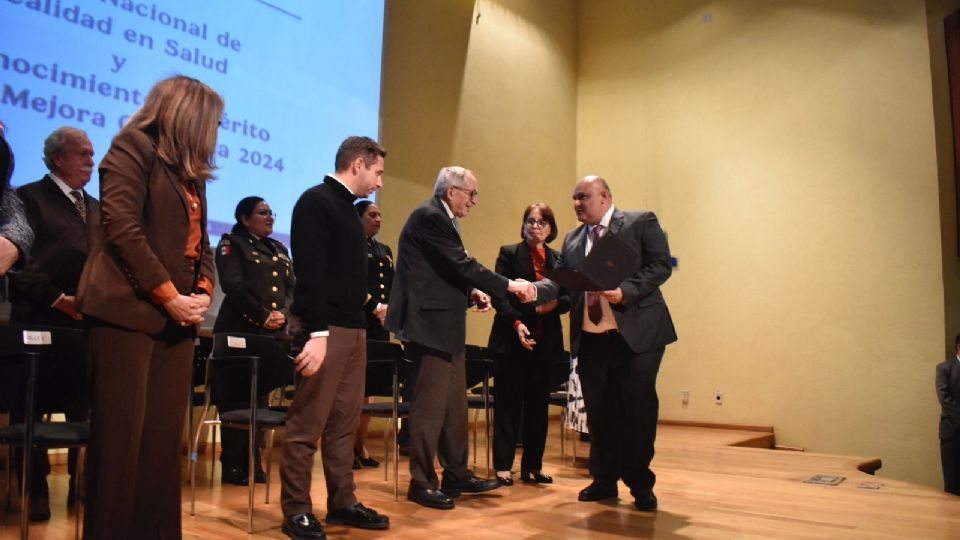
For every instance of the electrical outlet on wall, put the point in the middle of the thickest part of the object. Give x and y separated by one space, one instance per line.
684 397
718 397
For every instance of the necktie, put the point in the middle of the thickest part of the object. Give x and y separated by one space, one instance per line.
594 310
78 204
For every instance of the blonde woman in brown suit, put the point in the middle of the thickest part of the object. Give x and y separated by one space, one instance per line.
142 292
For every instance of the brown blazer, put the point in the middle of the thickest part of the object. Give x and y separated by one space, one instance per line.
145 229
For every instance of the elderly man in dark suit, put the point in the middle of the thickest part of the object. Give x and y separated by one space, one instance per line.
434 284
66 221
948 393
619 337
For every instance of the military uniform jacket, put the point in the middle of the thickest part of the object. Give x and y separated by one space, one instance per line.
256 277
379 278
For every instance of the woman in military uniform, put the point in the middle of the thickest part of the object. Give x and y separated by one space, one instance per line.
256 276
379 279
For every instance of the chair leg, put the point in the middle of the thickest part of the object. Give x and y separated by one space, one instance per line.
9 474
267 466
563 431
213 450
394 424
81 457
386 454
251 476
476 413
25 495
194 461
487 429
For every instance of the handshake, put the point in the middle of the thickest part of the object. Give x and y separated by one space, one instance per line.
525 291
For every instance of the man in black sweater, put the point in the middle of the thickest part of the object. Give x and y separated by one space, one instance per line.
330 262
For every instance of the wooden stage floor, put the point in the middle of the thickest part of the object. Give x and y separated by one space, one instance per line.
707 488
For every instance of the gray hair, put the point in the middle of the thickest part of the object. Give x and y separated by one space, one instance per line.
452 176
54 143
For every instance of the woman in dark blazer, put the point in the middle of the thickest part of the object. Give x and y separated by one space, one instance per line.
142 292
525 342
257 281
379 279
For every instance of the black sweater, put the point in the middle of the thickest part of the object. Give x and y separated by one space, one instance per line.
329 259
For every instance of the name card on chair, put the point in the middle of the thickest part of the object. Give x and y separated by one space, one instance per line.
37 337
236 342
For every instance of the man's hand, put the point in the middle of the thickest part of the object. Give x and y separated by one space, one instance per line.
67 304
275 320
524 290
524 336
546 307
380 312
187 310
311 358
614 297
8 255
481 300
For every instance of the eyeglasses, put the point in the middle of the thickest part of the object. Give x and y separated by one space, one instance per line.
265 213
474 195
537 222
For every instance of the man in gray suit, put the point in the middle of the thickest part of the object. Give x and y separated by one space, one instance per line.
619 337
434 284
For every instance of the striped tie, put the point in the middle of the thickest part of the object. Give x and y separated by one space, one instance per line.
78 204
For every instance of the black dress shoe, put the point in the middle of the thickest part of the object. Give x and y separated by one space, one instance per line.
431 498
598 491
646 502
303 526
358 516
259 476
356 463
369 462
471 485
237 477
535 477
505 480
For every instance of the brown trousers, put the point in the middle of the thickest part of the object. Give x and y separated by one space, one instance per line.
438 416
326 405
139 400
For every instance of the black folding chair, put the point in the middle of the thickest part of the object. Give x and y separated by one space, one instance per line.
244 367
26 351
479 370
385 363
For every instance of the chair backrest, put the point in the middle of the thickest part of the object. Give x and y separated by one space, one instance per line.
229 368
201 351
479 365
383 357
54 351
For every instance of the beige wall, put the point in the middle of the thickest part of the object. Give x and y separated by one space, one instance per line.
790 149
490 86
937 10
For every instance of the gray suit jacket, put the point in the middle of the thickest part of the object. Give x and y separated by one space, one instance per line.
643 317
432 283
